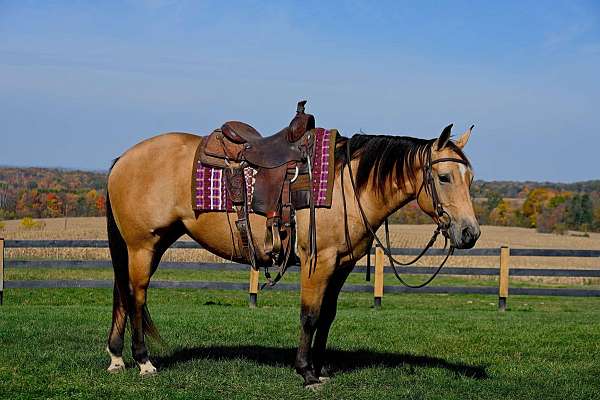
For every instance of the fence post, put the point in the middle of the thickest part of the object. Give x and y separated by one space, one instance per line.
253 288
503 281
378 281
1 270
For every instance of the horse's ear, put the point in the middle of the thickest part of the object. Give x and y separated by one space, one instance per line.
442 141
461 142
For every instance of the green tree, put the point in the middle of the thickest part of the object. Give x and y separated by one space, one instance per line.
558 200
493 199
596 222
579 211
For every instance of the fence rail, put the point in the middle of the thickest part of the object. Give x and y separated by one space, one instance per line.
379 269
493 251
359 269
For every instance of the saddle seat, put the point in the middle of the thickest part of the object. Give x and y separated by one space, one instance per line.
238 141
240 132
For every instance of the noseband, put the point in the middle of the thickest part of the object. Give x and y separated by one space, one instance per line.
443 219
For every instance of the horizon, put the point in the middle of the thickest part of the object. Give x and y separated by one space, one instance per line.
83 83
102 171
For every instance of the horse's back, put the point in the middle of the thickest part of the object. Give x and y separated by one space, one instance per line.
165 141
149 185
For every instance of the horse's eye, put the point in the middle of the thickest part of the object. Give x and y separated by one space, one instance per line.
444 178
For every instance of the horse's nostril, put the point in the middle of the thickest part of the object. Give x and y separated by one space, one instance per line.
466 235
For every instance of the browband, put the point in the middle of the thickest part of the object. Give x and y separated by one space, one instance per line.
449 159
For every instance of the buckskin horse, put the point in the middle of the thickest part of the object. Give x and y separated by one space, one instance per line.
148 209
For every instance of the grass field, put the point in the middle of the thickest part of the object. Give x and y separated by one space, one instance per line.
416 347
402 236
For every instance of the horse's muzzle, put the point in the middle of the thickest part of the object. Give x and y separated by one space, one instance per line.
464 236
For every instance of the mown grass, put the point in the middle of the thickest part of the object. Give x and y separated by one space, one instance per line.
290 277
417 347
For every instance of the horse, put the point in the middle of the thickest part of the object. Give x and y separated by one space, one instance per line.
149 207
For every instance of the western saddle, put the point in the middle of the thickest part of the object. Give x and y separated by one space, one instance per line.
279 160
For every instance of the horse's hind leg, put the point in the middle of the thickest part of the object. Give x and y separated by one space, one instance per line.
117 333
140 269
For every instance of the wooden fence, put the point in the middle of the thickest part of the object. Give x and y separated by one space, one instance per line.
503 270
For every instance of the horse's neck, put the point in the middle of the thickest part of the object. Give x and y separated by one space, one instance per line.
377 207
381 206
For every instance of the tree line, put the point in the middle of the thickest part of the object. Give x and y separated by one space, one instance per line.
546 206
50 193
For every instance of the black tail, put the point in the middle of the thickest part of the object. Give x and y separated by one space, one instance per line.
119 256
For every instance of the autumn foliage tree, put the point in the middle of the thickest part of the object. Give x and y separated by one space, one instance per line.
503 214
53 206
534 204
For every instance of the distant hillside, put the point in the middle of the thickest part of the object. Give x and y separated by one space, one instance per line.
57 179
50 192
548 206
520 189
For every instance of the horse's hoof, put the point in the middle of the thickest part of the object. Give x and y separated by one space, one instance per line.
325 373
147 369
116 368
315 386
147 374
116 362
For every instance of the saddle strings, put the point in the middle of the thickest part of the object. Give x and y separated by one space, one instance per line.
252 254
234 252
442 227
346 228
312 229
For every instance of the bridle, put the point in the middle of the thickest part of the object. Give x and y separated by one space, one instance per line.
429 184
443 219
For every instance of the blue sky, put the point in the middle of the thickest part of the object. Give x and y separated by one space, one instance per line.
80 82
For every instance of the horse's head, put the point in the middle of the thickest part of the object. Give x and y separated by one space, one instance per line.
447 177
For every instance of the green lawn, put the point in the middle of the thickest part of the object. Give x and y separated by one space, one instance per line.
417 347
290 277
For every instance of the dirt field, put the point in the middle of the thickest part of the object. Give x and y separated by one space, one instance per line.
402 236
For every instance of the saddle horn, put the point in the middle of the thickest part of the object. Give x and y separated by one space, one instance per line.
301 123
300 107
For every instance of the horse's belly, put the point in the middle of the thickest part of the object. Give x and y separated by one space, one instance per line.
219 234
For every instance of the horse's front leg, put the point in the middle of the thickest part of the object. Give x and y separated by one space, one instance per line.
313 288
326 317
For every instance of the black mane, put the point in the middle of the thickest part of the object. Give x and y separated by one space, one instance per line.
388 156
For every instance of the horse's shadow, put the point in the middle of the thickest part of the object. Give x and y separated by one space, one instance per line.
338 360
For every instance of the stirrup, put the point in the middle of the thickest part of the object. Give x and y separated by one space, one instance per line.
272 243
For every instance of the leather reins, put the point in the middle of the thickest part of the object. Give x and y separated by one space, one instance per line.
428 183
